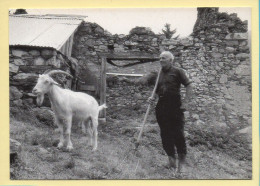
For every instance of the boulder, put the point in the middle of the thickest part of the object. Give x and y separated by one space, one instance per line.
99 30
15 93
19 53
237 36
169 42
216 55
35 53
90 42
13 68
243 70
141 31
17 103
188 41
230 49
247 130
15 150
39 61
44 115
46 53
53 62
19 62
242 56
223 79
232 43
25 79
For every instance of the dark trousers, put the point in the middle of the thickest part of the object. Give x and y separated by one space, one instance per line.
171 122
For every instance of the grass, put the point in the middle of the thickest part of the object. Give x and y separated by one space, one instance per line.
210 154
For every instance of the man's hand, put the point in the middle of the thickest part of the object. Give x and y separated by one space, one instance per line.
151 100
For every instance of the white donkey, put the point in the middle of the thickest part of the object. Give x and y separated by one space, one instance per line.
67 106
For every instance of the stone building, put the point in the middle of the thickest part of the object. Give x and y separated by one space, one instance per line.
216 56
36 44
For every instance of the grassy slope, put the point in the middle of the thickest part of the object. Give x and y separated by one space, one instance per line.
116 157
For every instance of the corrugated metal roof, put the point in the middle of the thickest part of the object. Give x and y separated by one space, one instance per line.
41 31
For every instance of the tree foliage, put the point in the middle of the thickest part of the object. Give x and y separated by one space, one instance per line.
168 32
20 11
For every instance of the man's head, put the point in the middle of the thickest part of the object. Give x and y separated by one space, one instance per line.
166 60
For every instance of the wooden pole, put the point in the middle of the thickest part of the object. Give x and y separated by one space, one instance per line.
148 110
103 88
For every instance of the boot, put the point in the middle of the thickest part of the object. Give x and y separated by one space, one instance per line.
172 162
181 162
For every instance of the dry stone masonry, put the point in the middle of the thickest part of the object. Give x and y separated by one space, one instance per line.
25 65
216 56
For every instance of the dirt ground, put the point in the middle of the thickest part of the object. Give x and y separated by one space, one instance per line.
116 157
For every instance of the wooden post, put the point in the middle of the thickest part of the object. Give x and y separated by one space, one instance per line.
103 88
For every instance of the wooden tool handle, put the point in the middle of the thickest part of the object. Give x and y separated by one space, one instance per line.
148 109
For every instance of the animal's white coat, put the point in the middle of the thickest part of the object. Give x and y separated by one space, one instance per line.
67 106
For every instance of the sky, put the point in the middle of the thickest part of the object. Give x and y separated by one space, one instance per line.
122 20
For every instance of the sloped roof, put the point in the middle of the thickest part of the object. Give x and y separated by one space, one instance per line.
41 31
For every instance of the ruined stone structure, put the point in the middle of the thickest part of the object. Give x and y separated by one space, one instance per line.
25 64
216 57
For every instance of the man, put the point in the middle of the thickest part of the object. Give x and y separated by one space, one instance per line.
169 109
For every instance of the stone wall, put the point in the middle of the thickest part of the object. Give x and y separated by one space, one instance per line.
216 57
25 64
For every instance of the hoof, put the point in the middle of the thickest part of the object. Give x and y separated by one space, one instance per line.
60 145
69 148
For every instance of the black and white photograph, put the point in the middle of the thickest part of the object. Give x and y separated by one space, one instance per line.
130 93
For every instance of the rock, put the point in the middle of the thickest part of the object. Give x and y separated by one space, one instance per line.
46 54
15 93
247 130
195 116
243 70
199 123
244 48
87 29
44 115
221 125
141 31
13 68
35 53
25 79
90 42
54 62
19 62
121 36
39 61
99 30
28 101
103 47
223 79
15 150
43 151
169 42
188 41
230 49
17 103
243 43
237 36
232 43
216 55
19 53
242 56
